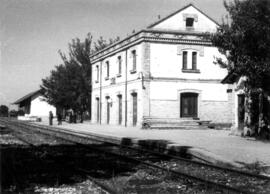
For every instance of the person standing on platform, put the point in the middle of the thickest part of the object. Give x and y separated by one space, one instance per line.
50 118
71 116
59 118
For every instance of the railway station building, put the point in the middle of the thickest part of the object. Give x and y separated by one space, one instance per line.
166 70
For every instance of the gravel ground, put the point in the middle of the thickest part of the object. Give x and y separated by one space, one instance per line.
8 139
79 188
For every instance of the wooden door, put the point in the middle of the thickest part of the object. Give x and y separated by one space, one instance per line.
189 105
135 108
119 109
97 102
241 111
108 112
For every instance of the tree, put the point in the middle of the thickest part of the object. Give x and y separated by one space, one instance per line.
3 111
245 41
69 85
102 43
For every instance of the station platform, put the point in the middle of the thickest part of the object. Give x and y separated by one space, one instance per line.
215 146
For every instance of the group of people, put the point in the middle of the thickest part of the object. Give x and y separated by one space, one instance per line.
59 118
72 118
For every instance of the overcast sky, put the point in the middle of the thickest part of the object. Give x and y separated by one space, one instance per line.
32 31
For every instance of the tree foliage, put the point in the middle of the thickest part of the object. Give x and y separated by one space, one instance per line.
69 84
245 39
101 43
3 111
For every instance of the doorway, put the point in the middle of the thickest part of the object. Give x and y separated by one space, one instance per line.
108 109
189 105
241 111
135 109
97 102
119 109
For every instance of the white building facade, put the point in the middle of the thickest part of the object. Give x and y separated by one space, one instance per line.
33 104
164 71
41 108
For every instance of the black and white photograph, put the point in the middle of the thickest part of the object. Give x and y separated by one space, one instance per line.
135 97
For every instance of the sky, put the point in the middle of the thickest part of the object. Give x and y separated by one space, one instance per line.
32 32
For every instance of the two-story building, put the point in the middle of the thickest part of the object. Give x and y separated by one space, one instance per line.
165 71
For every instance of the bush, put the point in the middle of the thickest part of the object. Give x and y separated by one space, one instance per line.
13 113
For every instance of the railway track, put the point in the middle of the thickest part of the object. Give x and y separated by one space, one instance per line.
225 179
22 135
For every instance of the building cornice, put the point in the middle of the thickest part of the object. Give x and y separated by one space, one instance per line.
175 79
155 36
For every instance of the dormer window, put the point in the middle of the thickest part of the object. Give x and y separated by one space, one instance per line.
189 22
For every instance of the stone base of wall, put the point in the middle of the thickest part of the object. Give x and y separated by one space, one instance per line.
164 108
216 111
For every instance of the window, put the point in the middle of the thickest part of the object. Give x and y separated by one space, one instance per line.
97 69
189 61
185 59
108 70
119 109
133 60
194 60
189 22
119 65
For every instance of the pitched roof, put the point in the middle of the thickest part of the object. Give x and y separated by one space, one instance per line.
148 29
26 97
176 12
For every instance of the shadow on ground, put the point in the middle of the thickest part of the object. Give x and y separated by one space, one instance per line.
159 145
24 167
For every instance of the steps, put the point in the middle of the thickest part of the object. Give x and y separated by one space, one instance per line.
174 123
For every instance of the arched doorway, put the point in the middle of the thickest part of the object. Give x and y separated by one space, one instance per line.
189 104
